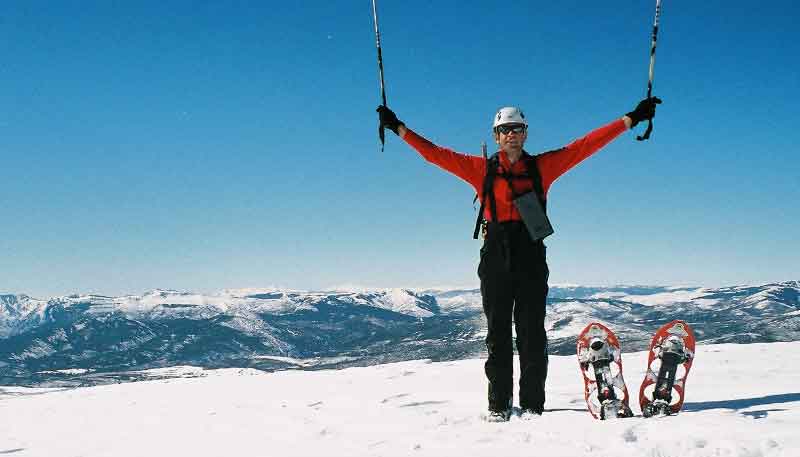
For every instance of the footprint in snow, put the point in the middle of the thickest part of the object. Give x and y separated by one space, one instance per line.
629 436
403 374
700 443
423 403
394 397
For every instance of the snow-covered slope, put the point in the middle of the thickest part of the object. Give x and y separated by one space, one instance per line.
742 401
20 313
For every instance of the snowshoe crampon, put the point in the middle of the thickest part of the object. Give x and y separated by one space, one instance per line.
600 360
668 363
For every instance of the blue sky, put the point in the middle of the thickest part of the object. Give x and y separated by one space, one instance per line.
210 145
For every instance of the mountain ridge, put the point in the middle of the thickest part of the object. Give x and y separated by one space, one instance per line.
102 337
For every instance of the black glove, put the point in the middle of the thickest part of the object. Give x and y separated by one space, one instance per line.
644 111
388 119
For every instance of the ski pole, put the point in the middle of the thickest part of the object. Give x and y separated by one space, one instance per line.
652 65
380 67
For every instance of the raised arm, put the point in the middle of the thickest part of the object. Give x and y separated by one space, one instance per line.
467 167
555 163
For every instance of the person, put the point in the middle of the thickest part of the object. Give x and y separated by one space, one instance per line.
513 268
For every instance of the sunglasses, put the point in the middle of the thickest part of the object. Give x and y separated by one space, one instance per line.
506 129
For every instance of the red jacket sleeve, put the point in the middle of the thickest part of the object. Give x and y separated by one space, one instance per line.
555 163
467 167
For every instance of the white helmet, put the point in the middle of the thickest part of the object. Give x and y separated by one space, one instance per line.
509 115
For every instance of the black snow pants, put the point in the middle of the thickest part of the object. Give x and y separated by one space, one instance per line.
513 272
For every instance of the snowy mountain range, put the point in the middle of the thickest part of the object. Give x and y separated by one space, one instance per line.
91 339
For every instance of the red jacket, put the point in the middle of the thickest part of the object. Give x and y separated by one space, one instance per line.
472 169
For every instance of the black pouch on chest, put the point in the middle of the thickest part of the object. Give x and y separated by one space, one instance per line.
533 215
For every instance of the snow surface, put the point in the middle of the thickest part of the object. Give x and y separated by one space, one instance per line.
742 400
398 300
662 298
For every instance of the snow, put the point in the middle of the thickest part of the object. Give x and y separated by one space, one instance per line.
463 302
71 371
19 307
241 300
402 301
742 400
397 300
178 371
306 362
573 328
663 298
149 301
706 303
37 350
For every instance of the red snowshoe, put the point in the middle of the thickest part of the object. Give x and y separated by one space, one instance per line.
599 357
669 360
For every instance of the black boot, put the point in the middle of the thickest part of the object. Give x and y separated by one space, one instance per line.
499 414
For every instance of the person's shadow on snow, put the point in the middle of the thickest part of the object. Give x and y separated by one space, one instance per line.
744 403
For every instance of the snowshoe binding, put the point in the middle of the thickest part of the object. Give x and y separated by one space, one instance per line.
600 360
669 360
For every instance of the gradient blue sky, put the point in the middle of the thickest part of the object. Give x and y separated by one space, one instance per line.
209 145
